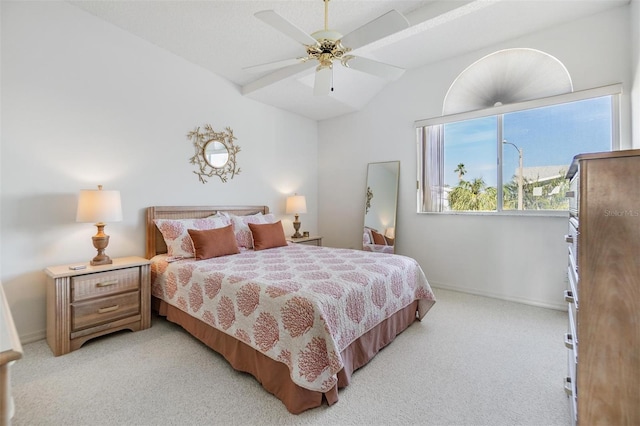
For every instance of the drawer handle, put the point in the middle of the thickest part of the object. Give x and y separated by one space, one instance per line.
568 340
568 238
568 389
570 194
568 296
109 309
107 283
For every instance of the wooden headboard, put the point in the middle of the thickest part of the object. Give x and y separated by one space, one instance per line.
155 241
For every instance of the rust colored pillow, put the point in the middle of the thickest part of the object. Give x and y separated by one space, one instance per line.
217 242
268 235
378 238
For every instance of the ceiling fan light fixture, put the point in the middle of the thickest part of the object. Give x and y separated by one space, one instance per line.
326 34
325 60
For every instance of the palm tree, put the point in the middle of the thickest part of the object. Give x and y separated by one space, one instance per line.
473 195
461 171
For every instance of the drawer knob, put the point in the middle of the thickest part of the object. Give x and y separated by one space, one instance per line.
568 340
568 239
109 309
107 283
570 194
568 296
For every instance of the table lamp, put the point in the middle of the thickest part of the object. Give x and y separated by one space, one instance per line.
99 206
296 204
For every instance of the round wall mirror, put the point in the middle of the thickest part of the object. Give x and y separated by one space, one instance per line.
216 154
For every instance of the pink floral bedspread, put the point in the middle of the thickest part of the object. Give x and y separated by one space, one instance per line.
299 304
378 248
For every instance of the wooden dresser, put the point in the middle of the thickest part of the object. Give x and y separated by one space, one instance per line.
87 303
603 297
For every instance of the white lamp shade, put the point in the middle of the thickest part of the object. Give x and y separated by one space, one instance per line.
296 204
96 205
390 233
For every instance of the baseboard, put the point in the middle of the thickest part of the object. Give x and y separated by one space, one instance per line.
478 292
33 337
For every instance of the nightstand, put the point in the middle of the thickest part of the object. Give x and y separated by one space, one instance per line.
97 300
312 240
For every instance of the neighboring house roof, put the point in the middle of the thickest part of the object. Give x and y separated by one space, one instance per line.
542 173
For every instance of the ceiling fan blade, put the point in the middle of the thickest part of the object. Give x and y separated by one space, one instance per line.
376 68
383 26
276 76
287 28
269 66
322 85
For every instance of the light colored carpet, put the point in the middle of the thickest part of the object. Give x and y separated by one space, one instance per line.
471 361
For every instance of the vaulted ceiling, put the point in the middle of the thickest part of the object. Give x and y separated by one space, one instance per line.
225 37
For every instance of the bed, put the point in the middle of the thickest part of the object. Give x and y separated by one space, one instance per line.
372 240
299 318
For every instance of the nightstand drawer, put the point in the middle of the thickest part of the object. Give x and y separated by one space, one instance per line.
91 313
104 283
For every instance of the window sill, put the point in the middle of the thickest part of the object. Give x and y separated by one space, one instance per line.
526 213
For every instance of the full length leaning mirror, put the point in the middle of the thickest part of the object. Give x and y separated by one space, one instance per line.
379 233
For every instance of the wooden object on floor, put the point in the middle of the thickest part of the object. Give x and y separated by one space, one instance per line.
90 302
10 351
604 288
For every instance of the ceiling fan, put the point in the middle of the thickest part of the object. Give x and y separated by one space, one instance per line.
326 47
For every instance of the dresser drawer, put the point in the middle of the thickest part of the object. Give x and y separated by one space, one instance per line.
95 312
570 388
573 265
574 195
573 284
573 329
572 238
104 283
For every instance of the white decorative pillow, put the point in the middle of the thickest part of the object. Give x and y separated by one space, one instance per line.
241 226
176 235
366 236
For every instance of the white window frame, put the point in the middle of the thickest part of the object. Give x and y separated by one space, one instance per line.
614 90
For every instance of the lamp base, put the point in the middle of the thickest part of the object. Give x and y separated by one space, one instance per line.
100 242
296 227
101 260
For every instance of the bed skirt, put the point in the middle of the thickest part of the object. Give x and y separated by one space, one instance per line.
274 375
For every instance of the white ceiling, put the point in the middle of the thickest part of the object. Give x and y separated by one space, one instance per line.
224 37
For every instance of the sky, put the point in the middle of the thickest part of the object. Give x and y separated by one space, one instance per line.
547 136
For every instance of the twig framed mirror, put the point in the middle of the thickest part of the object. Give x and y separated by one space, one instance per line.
215 153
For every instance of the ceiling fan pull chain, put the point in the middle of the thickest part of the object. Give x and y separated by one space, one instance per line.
331 76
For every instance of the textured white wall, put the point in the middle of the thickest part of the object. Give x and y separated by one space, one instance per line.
512 257
85 103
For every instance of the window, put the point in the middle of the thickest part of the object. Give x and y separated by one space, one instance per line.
512 157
